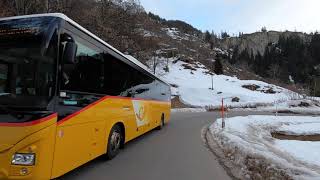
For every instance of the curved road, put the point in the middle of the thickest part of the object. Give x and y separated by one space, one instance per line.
175 152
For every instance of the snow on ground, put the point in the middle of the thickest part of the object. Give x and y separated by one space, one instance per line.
304 151
175 34
194 110
220 51
307 105
192 82
146 33
301 128
246 138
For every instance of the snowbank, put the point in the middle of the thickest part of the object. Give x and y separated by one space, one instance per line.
301 129
304 106
247 142
304 151
194 110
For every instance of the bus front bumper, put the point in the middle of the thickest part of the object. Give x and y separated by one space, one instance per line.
4 165
3 174
41 145
36 140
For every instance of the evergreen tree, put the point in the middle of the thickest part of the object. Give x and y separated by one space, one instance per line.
235 55
264 29
218 67
224 35
315 47
214 37
156 17
207 37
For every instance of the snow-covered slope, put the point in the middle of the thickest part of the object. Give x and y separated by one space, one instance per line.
192 83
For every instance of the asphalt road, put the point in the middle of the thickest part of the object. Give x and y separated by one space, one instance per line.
176 152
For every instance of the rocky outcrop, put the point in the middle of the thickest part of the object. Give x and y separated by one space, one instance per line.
258 41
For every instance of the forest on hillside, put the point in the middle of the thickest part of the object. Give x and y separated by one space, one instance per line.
290 60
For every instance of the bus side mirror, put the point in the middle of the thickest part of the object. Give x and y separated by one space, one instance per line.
70 51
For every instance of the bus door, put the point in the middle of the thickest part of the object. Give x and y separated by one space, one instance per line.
81 108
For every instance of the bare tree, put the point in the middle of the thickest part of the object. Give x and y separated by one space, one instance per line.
155 64
274 70
23 7
6 8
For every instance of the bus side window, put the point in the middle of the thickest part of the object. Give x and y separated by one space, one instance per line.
116 76
82 82
3 78
87 74
141 85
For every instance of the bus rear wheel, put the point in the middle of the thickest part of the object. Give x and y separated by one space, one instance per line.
114 142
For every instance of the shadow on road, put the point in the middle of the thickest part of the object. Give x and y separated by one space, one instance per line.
101 161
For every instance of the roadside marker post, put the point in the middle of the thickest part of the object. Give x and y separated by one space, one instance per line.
222 114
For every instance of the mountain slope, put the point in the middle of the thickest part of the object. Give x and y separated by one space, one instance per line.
125 25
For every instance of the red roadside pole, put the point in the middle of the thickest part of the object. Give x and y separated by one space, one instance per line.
222 114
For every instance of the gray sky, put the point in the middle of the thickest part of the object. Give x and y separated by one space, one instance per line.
241 15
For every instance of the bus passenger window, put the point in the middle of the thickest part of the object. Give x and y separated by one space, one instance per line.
3 77
116 76
87 74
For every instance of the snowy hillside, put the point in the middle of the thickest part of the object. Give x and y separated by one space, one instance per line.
192 83
175 34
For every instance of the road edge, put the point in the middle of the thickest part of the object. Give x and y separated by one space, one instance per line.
213 147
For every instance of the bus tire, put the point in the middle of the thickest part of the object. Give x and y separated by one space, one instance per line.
114 142
162 123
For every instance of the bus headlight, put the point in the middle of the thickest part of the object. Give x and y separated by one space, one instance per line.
24 159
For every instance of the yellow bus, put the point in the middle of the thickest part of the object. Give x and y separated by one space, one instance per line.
67 97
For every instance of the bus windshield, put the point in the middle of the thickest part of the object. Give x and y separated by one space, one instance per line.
28 49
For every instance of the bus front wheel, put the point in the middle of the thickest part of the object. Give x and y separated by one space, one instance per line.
162 123
114 142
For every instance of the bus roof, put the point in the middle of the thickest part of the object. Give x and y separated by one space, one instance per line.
66 18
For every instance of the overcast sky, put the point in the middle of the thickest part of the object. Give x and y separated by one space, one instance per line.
241 15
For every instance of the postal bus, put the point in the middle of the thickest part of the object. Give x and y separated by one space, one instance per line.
67 97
